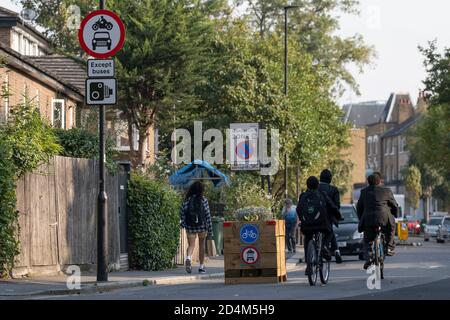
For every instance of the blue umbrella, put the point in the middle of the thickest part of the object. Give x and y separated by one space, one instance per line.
198 170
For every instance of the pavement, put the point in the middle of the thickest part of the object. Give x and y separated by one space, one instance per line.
57 285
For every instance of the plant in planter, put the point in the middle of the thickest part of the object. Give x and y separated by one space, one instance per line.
253 214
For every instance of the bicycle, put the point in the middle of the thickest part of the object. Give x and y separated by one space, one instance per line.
316 263
378 254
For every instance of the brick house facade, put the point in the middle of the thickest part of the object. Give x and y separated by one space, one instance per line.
56 100
386 125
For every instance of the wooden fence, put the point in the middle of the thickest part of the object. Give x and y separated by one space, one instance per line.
58 217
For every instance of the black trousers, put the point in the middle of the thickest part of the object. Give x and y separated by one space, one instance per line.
309 235
370 234
333 243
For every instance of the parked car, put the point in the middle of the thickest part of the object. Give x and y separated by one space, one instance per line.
431 228
350 241
443 230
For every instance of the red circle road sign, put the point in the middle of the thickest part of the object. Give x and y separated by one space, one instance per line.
250 255
101 34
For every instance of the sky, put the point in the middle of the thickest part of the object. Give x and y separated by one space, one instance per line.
395 28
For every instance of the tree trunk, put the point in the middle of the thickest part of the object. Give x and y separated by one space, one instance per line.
131 142
427 209
142 150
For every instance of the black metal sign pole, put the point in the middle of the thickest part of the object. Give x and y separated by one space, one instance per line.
102 234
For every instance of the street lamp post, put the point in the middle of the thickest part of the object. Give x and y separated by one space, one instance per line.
286 9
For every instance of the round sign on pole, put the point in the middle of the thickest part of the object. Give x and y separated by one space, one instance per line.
101 34
250 255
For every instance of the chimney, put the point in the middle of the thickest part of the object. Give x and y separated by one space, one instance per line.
422 104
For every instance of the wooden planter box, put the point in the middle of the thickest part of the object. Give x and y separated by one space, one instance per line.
254 252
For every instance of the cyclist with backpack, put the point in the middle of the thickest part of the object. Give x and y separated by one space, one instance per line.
315 211
290 217
196 219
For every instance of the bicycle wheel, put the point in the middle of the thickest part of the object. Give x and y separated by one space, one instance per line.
312 263
324 271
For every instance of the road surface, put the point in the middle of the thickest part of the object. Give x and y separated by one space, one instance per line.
413 273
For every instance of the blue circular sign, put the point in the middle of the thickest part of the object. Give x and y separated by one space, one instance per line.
249 233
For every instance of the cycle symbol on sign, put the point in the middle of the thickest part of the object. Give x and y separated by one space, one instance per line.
249 233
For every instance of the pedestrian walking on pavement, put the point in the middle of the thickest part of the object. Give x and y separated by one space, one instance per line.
195 217
333 193
290 217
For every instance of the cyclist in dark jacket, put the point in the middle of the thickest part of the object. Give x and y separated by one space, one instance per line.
333 193
377 208
327 207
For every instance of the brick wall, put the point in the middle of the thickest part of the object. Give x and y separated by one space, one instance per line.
356 153
5 36
39 93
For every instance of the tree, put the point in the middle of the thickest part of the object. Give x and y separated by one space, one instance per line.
59 20
313 26
437 83
162 59
429 141
413 186
165 51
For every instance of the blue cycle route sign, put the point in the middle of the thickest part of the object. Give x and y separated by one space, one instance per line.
249 233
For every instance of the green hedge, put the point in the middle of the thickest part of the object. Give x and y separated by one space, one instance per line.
9 226
153 225
80 143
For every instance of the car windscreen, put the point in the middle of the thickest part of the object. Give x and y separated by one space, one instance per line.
434 222
349 214
447 222
101 35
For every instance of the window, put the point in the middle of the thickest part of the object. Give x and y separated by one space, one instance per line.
369 146
58 116
393 145
402 144
375 145
387 146
121 132
4 107
386 169
393 175
15 41
71 113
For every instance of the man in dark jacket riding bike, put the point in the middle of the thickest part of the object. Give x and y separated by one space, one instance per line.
377 208
333 193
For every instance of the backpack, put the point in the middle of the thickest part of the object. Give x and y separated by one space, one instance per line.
291 215
195 215
313 210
